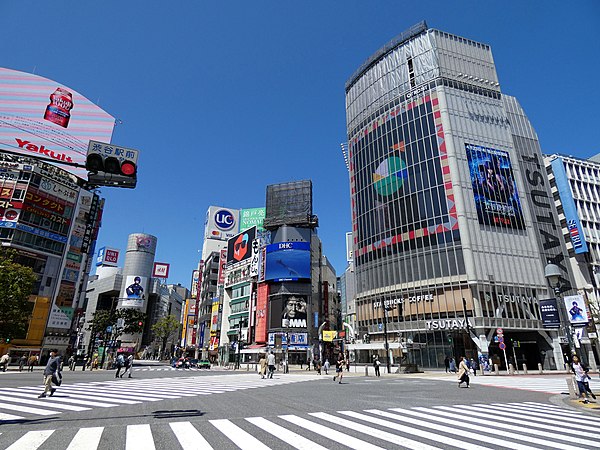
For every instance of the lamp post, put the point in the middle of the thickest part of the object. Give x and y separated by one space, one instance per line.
385 336
553 275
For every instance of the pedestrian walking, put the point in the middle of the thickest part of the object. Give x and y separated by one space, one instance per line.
120 364
32 361
22 361
452 365
463 372
339 368
71 363
582 377
263 366
51 374
474 366
447 363
326 366
4 361
376 365
128 365
271 364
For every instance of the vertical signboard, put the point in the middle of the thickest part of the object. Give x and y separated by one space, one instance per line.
262 298
549 313
575 305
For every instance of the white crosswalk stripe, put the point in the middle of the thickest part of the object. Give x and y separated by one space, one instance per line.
23 402
464 428
551 384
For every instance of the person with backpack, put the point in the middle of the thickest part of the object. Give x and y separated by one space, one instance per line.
128 365
51 374
582 377
376 365
120 364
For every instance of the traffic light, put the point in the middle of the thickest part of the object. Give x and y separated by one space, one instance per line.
7 340
140 324
111 165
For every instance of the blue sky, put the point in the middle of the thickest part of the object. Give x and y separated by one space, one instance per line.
224 98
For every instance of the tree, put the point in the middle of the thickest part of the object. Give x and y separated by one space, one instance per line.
164 328
16 284
104 318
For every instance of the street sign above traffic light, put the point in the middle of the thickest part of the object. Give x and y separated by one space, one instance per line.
111 165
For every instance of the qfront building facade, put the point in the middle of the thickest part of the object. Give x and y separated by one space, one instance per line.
453 218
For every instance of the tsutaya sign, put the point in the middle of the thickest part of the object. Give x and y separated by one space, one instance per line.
448 324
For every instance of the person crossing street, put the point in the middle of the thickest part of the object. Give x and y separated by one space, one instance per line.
271 364
339 368
128 366
51 373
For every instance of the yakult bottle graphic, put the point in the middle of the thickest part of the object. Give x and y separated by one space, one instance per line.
58 111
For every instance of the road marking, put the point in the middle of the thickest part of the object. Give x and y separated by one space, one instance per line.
241 438
86 439
32 440
289 437
26 409
48 402
9 417
329 433
139 437
189 437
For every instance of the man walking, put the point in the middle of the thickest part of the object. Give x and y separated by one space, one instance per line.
33 359
271 364
4 361
120 364
22 361
128 365
339 368
376 365
52 370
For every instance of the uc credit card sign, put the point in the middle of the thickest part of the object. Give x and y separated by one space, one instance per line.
221 223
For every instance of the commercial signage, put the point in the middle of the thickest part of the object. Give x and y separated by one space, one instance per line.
214 321
222 265
160 270
107 257
329 336
568 205
42 118
255 258
494 187
262 297
392 302
448 324
58 190
296 340
195 278
221 223
575 305
252 217
287 261
550 314
134 293
34 231
288 311
239 248
349 247
45 202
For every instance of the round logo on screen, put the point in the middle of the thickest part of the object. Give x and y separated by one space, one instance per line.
389 176
224 220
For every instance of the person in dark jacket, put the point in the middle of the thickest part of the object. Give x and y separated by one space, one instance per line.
52 371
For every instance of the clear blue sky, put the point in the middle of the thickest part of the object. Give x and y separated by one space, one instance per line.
224 98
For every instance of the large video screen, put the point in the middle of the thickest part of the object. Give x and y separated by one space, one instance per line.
494 187
287 261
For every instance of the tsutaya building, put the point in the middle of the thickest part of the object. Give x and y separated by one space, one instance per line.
452 212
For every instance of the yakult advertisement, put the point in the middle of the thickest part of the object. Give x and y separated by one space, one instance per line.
42 118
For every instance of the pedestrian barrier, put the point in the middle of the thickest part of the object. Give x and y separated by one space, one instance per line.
525 368
511 369
572 386
540 369
366 371
496 369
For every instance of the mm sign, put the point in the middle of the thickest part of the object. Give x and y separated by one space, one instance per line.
161 270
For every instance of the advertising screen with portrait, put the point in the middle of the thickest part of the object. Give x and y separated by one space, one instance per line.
239 247
287 261
576 310
288 311
494 187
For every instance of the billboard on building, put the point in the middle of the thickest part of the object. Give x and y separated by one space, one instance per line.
222 266
135 291
221 223
194 286
160 270
107 257
349 247
288 311
287 261
568 204
289 204
214 321
494 187
40 117
252 217
550 314
575 305
262 300
239 248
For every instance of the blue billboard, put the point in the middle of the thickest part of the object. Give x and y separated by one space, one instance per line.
287 261
569 208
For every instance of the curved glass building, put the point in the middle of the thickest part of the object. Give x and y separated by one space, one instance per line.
453 221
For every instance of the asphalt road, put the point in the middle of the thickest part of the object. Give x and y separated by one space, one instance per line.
219 406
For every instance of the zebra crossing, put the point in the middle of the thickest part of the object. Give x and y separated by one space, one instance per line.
519 426
547 384
23 402
170 369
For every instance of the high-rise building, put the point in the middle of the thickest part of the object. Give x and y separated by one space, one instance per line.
453 219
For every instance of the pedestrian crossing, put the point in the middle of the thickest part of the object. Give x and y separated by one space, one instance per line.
518 426
550 384
23 402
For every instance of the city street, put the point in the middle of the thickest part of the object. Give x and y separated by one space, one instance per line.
225 409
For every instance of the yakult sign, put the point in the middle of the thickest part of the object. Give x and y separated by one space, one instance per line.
221 223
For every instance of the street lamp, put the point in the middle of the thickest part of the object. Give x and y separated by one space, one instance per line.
553 275
385 336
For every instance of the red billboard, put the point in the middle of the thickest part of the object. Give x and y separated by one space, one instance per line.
40 117
262 301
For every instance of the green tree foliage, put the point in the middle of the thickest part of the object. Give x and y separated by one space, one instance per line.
16 284
131 319
164 329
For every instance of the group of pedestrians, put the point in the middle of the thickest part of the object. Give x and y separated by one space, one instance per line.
123 362
582 377
267 365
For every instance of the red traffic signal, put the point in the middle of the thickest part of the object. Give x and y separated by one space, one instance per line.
140 323
95 163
